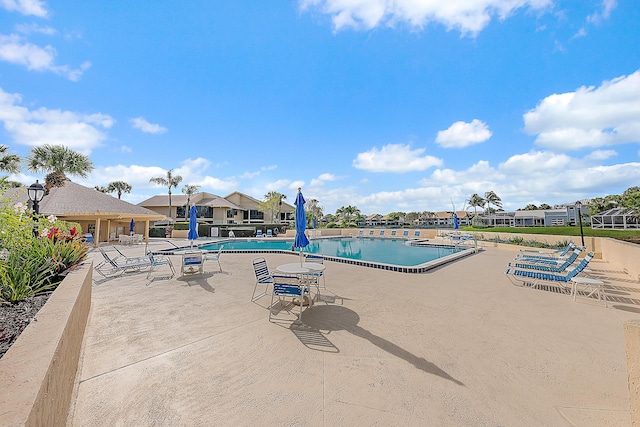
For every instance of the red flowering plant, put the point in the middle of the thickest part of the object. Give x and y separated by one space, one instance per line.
31 265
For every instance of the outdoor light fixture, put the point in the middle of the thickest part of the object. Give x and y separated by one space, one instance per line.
36 193
579 209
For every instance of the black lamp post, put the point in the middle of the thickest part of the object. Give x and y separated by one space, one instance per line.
35 192
579 213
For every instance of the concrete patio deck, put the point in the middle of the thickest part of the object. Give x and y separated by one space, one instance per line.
459 345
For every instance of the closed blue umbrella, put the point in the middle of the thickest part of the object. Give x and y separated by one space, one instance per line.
132 226
301 223
455 222
193 225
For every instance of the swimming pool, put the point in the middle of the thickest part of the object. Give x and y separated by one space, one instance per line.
389 254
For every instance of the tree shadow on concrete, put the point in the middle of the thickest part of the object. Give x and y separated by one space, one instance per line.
337 318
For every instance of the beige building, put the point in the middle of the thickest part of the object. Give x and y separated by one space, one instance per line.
102 215
235 208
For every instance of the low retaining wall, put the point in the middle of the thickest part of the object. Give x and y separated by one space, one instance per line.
621 255
38 372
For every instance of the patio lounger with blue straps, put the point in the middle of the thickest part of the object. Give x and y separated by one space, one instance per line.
535 278
535 254
556 266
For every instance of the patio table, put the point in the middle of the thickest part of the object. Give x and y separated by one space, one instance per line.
595 286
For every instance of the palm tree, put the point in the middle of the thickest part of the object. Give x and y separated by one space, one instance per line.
492 198
119 187
170 181
9 162
57 161
190 190
477 202
101 189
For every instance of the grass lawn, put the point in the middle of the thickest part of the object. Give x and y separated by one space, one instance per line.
560 231
630 235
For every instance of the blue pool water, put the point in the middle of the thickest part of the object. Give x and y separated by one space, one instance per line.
386 251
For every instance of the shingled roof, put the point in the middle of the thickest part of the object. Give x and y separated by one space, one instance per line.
76 200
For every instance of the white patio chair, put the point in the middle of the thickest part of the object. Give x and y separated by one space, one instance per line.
214 256
156 261
263 277
318 259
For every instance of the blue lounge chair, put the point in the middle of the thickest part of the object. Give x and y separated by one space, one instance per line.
533 254
536 279
552 266
269 233
259 233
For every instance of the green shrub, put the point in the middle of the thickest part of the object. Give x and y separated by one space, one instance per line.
30 264
157 231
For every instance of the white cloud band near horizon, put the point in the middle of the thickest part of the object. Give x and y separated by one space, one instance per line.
468 16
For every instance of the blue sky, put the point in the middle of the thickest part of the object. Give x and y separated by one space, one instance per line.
387 105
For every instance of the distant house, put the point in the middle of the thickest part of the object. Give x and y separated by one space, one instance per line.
373 220
442 219
100 214
236 208
559 216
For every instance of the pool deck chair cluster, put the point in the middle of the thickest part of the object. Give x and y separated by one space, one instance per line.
566 281
113 266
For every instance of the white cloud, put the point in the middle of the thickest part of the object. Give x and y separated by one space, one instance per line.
539 162
462 134
468 17
25 7
602 154
251 175
395 158
588 117
277 185
294 185
146 127
607 7
16 50
80 132
320 180
35 28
